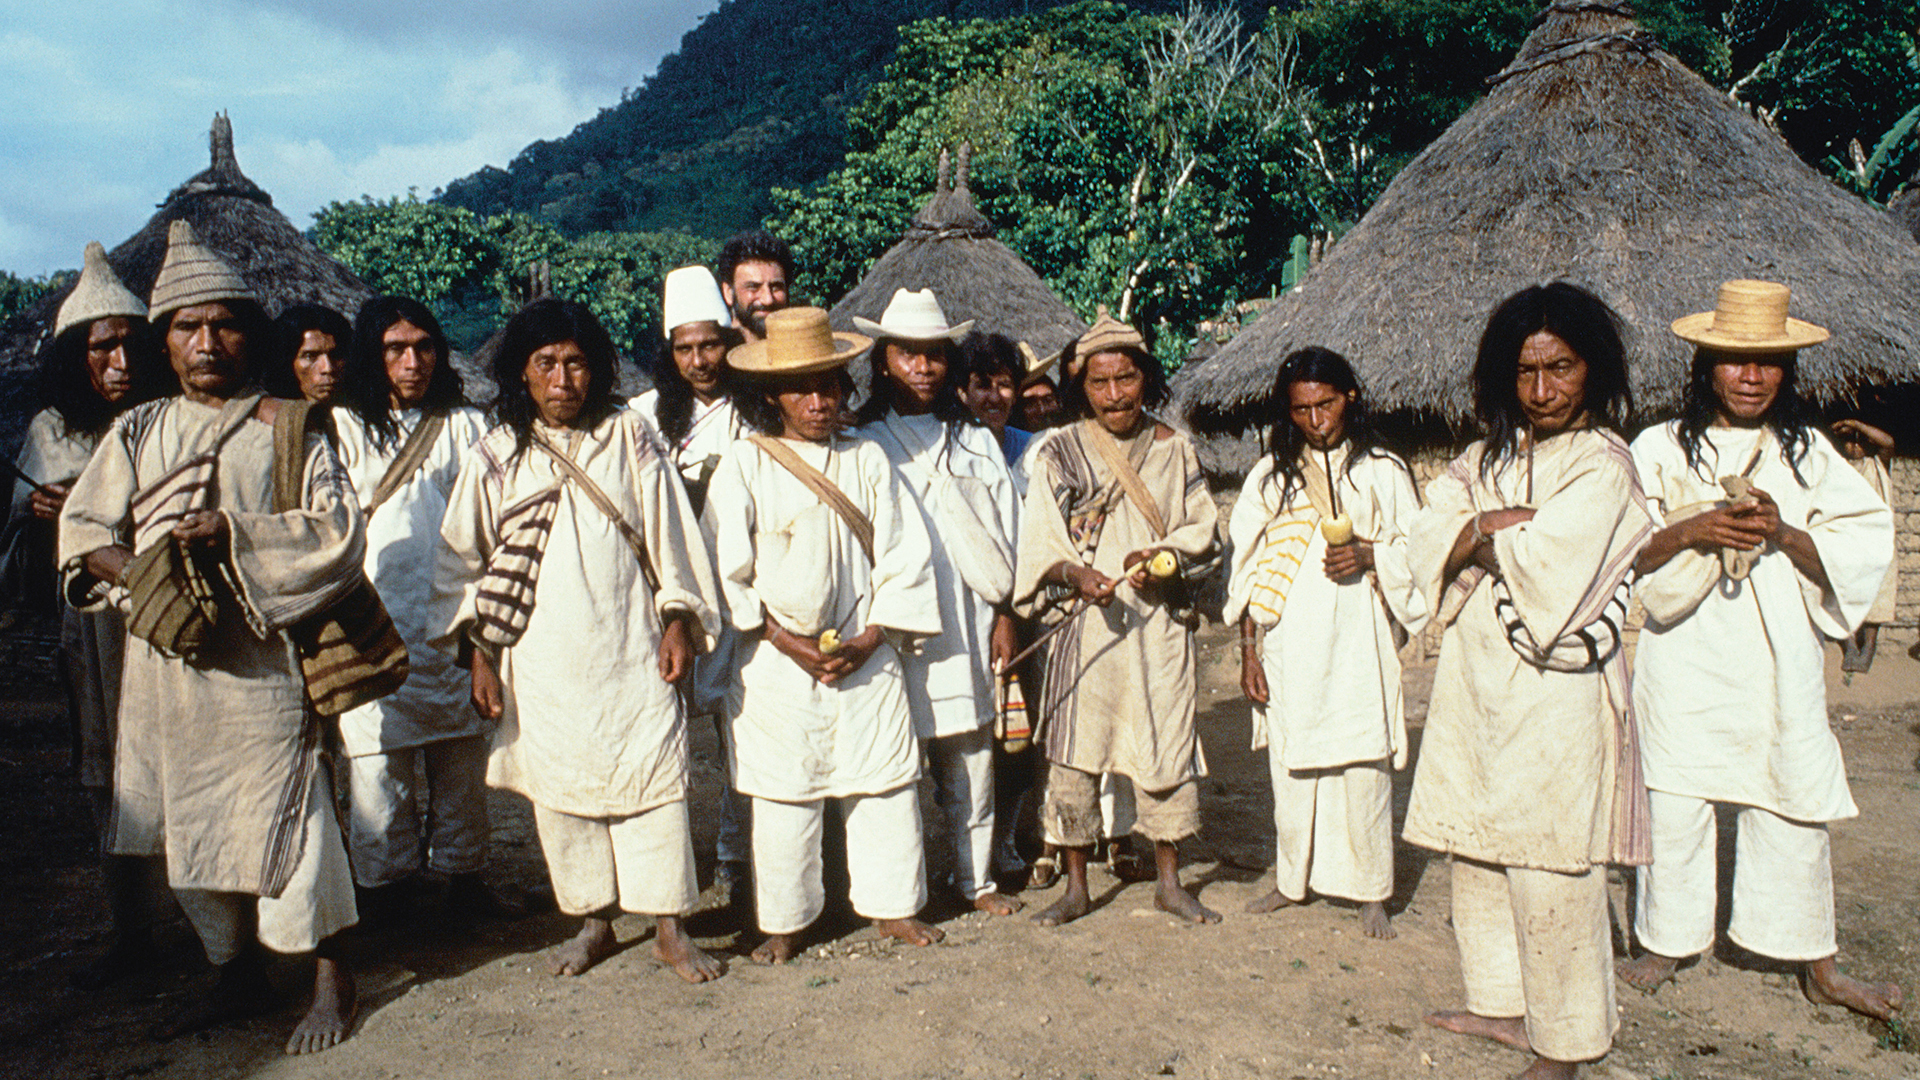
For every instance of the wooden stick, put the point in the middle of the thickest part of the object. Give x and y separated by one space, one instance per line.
1073 613
1333 488
1533 436
28 480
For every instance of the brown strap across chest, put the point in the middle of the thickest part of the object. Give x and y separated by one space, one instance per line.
599 499
1116 462
817 482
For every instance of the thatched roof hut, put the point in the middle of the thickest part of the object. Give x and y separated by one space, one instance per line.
235 218
1598 158
950 248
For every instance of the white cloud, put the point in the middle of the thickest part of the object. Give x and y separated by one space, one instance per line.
104 107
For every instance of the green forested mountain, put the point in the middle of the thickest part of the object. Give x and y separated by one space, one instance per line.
756 97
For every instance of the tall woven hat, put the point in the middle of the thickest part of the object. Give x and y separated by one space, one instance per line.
97 295
191 274
798 341
1749 317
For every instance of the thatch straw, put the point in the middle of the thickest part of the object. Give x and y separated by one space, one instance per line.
1597 158
950 248
1905 208
235 218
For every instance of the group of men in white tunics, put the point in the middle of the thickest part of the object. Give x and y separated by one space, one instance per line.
576 581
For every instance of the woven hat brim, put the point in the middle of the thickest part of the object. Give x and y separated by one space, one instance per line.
752 357
1698 329
914 333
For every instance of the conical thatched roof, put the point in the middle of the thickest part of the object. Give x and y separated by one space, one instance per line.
235 218
950 248
1597 158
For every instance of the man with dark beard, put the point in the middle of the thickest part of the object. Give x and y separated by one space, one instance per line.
755 271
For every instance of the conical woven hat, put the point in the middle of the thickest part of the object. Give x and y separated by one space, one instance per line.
1751 317
97 295
798 341
191 274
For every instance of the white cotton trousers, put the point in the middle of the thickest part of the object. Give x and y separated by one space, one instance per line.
1117 809
1538 944
963 782
383 801
316 904
1333 830
1782 883
642 864
886 864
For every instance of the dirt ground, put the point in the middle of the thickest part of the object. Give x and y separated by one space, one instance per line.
1126 992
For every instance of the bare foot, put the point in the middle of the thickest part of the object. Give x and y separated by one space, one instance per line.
996 903
911 931
1374 921
1511 1030
1549 1069
1647 972
594 943
1823 984
672 947
330 1019
777 949
241 993
1269 903
1176 900
1065 910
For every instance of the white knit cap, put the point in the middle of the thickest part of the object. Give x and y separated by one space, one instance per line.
97 295
691 295
192 274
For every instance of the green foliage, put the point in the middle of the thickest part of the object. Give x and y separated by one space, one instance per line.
471 270
20 293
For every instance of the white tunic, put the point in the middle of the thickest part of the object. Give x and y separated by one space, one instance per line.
403 538
713 430
589 728
1732 698
1333 671
949 682
781 552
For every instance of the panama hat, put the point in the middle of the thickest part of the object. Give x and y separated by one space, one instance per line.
913 316
690 295
97 295
191 274
1749 317
798 341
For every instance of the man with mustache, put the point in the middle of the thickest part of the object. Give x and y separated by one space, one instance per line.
756 272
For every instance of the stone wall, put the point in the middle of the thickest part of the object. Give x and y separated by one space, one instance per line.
1906 539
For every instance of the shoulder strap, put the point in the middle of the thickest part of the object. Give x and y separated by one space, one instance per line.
818 483
290 454
599 499
1123 470
412 455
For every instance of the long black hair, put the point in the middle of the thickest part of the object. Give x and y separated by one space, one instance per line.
1791 416
673 411
1073 391
549 321
1285 441
880 390
755 397
66 386
1575 316
365 385
290 329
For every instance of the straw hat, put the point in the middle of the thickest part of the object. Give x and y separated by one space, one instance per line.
1036 365
913 316
798 341
97 295
690 295
1749 317
191 274
1106 334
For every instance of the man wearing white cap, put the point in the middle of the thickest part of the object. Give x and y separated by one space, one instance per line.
1769 542
959 479
827 573
220 764
101 364
691 408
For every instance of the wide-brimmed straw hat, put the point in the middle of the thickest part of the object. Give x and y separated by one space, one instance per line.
798 341
1036 365
192 274
1749 317
914 316
690 295
97 295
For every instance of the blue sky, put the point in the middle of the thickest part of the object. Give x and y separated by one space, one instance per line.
104 106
